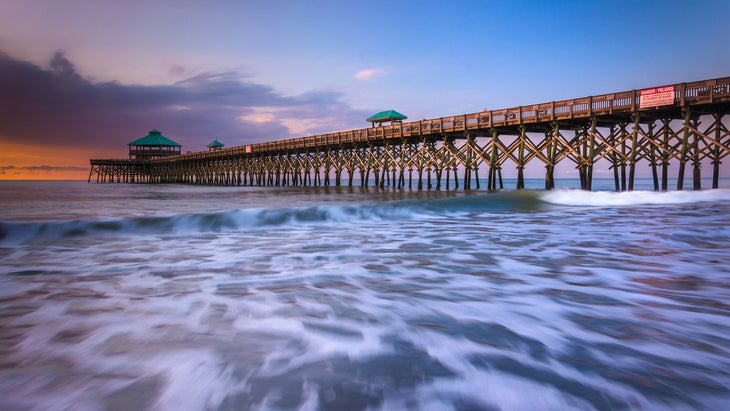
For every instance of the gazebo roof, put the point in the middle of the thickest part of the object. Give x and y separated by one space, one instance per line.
154 138
388 115
215 143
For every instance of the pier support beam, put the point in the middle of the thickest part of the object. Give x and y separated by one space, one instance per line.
634 151
684 148
551 149
521 158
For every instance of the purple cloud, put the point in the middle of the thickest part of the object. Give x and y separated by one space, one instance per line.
57 106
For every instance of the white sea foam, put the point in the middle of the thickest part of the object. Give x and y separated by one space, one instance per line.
629 198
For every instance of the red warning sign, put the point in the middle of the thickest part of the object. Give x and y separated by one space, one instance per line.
657 96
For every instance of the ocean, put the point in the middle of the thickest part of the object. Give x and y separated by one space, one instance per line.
176 297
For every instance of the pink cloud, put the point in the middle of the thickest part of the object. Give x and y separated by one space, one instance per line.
368 74
177 70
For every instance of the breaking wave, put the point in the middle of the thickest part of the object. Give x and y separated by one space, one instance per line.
632 198
232 220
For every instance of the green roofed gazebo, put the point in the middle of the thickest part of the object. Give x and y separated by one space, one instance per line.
215 145
385 116
153 145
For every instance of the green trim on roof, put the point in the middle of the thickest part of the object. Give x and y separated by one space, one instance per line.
154 138
216 143
388 115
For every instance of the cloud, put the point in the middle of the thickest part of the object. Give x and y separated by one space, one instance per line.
63 68
262 115
368 74
177 70
57 106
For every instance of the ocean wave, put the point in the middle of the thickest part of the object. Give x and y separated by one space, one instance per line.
232 220
243 219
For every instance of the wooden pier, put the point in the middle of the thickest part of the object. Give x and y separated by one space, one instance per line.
681 124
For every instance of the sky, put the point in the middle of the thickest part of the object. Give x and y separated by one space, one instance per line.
80 79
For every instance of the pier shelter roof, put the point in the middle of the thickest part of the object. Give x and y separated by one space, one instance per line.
153 145
154 138
384 116
215 144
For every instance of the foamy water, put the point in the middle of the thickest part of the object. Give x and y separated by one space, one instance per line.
344 299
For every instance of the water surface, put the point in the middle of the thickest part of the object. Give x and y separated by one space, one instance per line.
219 298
